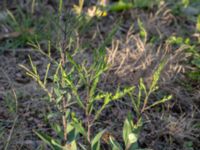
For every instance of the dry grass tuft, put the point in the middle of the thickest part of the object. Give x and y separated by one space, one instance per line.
132 58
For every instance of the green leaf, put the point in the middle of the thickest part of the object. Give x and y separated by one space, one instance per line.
60 6
57 92
198 23
196 62
44 138
156 76
121 5
71 133
67 113
33 66
127 129
135 107
74 90
46 74
59 99
93 88
77 66
100 96
163 100
48 140
96 141
120 94
56 144
142 86
195 75
71 146
132 138
185 3
57 129
143 32
114 144
106 102
130 132
175 40
53 115
133 146
79 127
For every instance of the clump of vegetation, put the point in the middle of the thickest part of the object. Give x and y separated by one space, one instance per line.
65 92
76 62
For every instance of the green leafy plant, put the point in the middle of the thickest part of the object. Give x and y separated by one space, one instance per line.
132 127
191 49
65 88
23 27
143 32
65 92
75 84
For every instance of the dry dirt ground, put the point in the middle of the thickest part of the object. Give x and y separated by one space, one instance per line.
174 125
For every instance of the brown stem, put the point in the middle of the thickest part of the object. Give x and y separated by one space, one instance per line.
88 129
64 120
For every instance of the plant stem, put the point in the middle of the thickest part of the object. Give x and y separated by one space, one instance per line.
88 128
88 114
64 121
10 135
145 102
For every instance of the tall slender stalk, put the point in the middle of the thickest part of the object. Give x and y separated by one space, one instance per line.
64 120
88 114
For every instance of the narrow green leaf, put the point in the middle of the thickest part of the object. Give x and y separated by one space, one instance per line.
12 17
134 103
198 23
79 127
57 128
114 144
142 86
59 99
46 74
120 94
77 66
57 92
93 88
143 32
60 6
33 66
56 144
163 100
48 140
96 141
